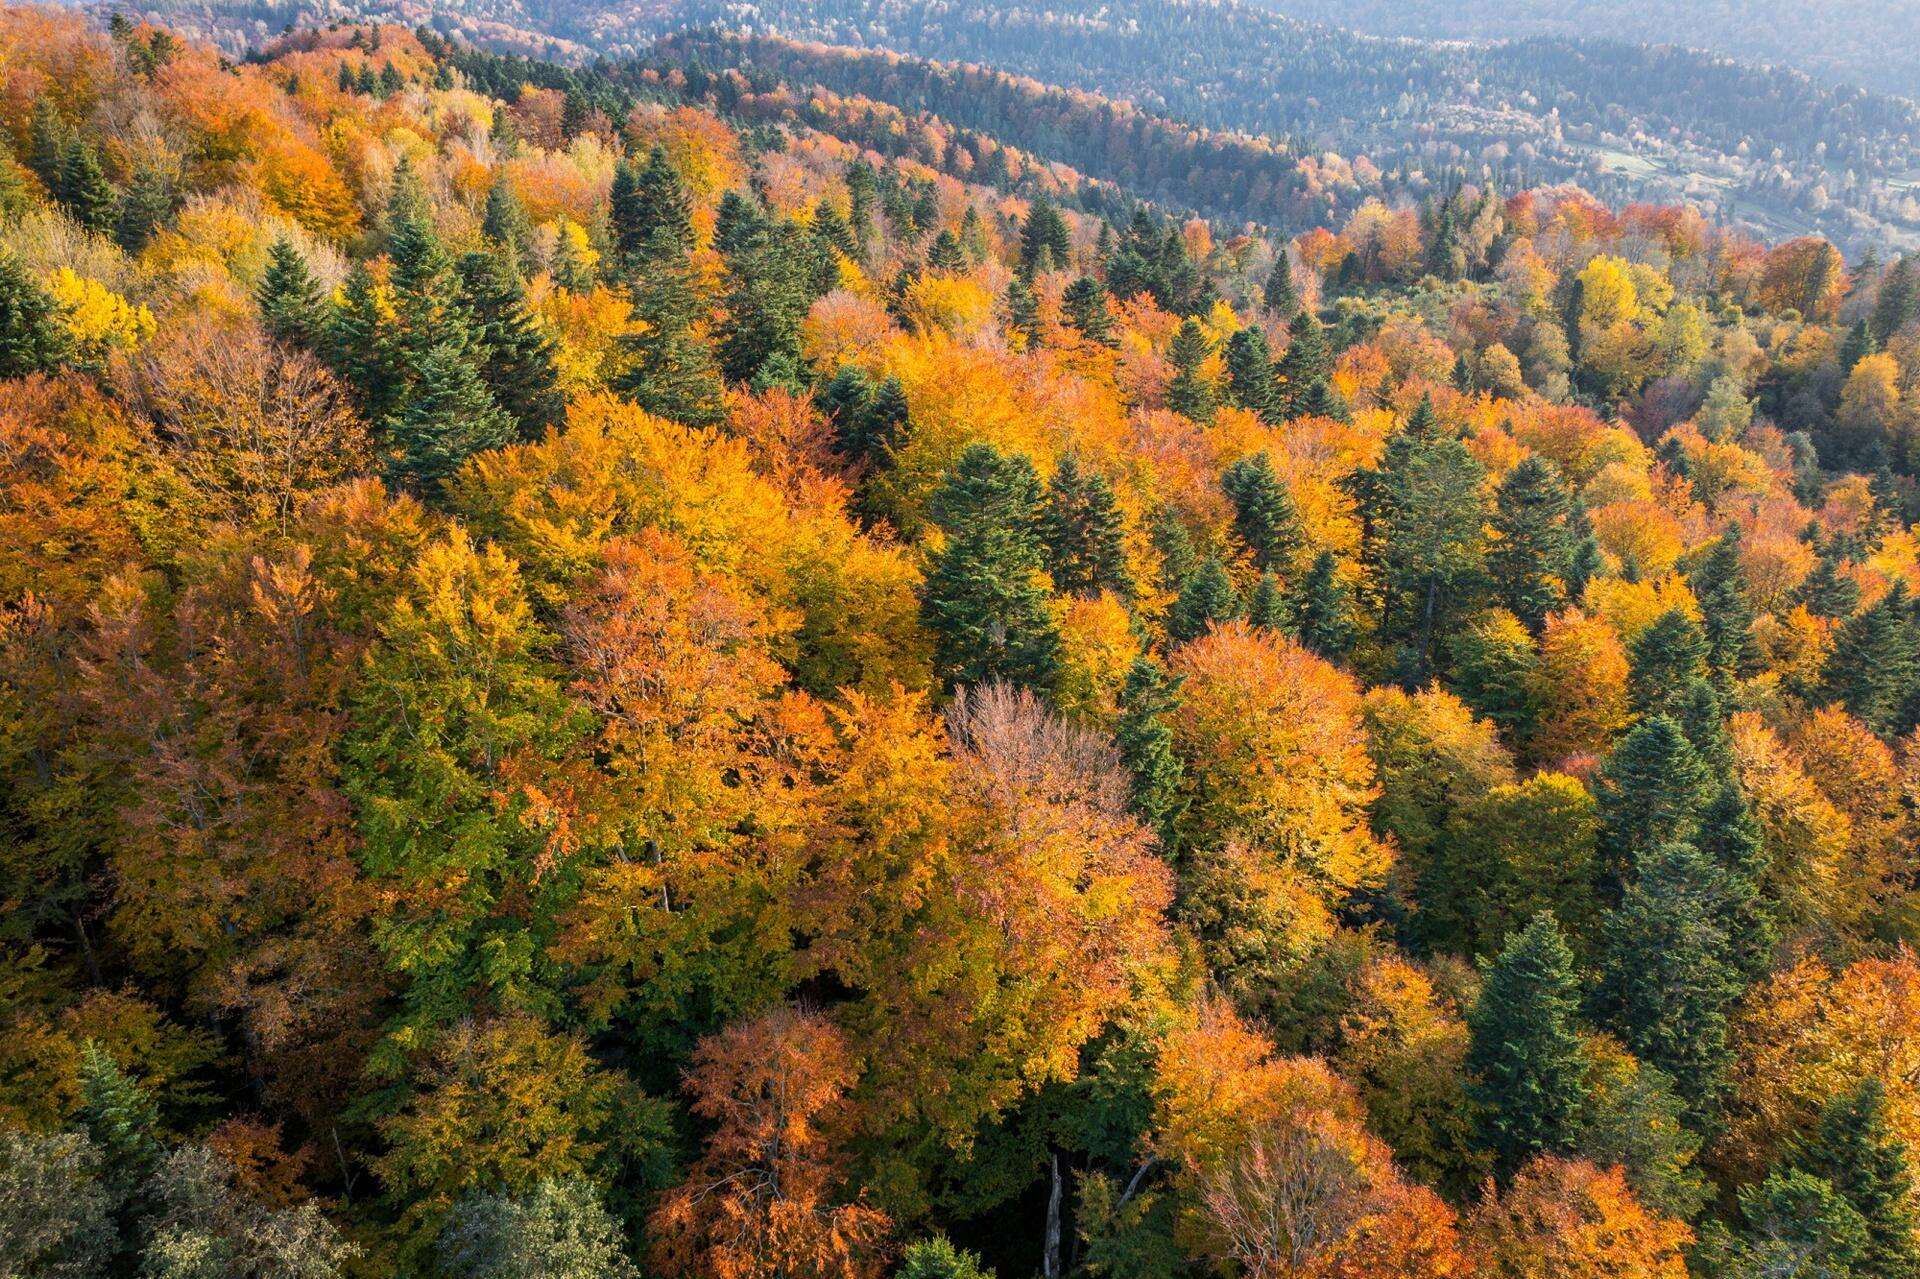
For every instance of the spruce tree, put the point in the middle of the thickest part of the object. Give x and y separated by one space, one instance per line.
1828 592
1250 374
1798 1226
1264 515
1146 744
292 309
360 345
516 359
84 189
945 254
1305 362
1898 301
1023 310
1531 553
1653 789
32 338
1084 532
770 288
1859 344
1321 608
1279 295
447 416
989 614
145 207
1524 1064
1874 664
1267 605
665 204
1731 834
1859 1155
505 220
669 369
1668 978
1190 393
1666 659
1085 307
119 1118
1207 598
1045 244
1720 584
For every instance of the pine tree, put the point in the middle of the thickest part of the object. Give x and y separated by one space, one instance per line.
670 369
1146 744
983 601
291 307
1084 533
1190 393
1305 362
84 189
1720 584
1524 1064
447 416
1250 374
1207 598
1874 664
1667 658
1531 554
1279 295
1264 515
1023 310
1322 610
1653 789
1668 979
1084 305
516 358
1267 604
1045 243
32 338
1859 1155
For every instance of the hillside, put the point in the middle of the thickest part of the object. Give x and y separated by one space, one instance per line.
1865 42
657 669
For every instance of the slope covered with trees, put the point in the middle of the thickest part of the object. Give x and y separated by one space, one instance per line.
633 673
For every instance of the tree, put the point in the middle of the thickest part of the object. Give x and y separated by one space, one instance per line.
983 600
32 339
119 1118
516 358
937 1258
1250 373
1084 532
1720 585
758 1204
1898 301
1263 512
1045 244
557 1230
291 307
1084 304
360 345
1146 744
1523 1060
651 211
449 415
84 189
201 1223
1652 790
1307 363
670 368
1191 393
1322 609
1797 1225
1531 554
56 1215
147 204
1567 1219
1279 294
1875 663
505 220
1207 598
1856 1152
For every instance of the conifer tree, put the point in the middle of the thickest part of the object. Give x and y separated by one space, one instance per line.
516 357
292 309
119 1117
770 288
1279 295
1146 744
1321 608
945 254
1524 1062
1045 243
1720 585
1828 592
1731 834
1306 361
1667 658
1264 515
1023 310
1207 598
1859 344
983 600
1250 373
1898 301
1191 393
1267 604
1652 791
1085 306
1084 533
1531 553
145 207
1668 979
505 220
84 189
360 345
1874 664
1859 1155
670 369
32 339
447 416
1797 1224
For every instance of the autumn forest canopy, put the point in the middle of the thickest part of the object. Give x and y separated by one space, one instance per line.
673 670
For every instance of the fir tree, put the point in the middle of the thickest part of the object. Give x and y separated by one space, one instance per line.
1267 604
146 206
945 254
1732 836
1175 546
1859 344
1250 374
516 359
1206 599
665 204
1084 532
32 338
1279 295
670 370
1305 362
1084 305
1874 664
1898 301
1720 585
1797 1225
1146 744
84 189
1828 592
771 287
119 1117
447 416
983 601
1322 610
1531 553
1045 244
360 345
1023 310
1264 515
1856 1151
505 220
1652 791
1667 658
1190 393
1524 1065
292 309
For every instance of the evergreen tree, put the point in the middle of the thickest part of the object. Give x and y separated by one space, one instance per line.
1191 393
771 287
1859 344
1146 744
1250 374
1322 610
1175 546
1306 361
1898 301
1531 555
1874 664
1828 592
1668 980
32 338
1720 585
1524 1063
552 1230
1267 604
665 204
1667 658
517 360
448 415
84 189
505 220
1653 789
983 601
1264 515
1207 598
670 370
1856 1152
1023 310
292 309
1085 307
1045 243
945 254
1084 532
738 226
1797 1225
360 345
146 206
1731 835
1279 295
624 219
120 1119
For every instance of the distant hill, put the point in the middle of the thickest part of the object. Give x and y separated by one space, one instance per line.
1870 42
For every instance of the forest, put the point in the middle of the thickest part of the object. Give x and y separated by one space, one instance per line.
644 670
